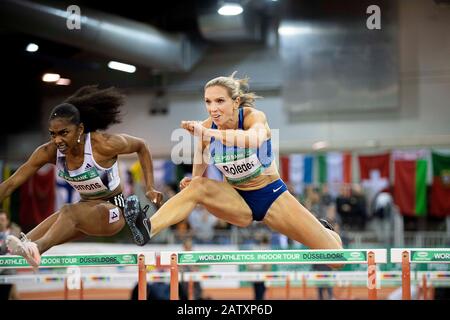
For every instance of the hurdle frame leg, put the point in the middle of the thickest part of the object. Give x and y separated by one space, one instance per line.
174 294
288 287
66 290
304 287
424 287
349 291
142 278
406 276
371 276
190 288
81 289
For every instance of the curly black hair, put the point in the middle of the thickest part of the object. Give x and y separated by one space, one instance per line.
96 108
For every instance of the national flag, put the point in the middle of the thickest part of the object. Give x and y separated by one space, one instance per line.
374 174
284 166
297 170
410 186
37 197
5 173
335 168
440 189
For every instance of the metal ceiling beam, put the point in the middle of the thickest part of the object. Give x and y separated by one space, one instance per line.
109 35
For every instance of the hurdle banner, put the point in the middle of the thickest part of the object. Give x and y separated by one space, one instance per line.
80 260
91 260
406 256
342 256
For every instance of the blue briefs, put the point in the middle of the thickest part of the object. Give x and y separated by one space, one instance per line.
260 200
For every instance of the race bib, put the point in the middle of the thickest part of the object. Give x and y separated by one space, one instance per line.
87 183
241 169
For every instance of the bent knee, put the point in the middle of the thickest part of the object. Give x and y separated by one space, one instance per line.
66 213
244 222
198 182
201 187
65 209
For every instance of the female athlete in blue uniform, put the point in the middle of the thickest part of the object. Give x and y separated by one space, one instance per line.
87 160
238 139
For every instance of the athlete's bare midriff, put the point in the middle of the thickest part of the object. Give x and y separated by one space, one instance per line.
268 176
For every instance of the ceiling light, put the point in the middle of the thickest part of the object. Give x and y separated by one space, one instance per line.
320 145
50 77
63 82
121 66
292 30
230 9
32 47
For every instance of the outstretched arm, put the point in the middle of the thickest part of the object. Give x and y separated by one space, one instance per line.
201 155
42 155
126 144
253 137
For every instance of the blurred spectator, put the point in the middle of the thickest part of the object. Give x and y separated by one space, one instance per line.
297 195
325 291
7 228
342 233
343 206
397 294
184 286
259 287
155 291
168 192
202 224
7 291
181 230
327 205
381 220
167 234
351 206
359 206
254 233
326 198
312 200
441 293
222 232
382 205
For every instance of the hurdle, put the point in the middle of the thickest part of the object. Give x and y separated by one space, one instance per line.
416 255
344 256
90 260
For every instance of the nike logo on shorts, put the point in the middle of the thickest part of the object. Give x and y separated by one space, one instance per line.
275 190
